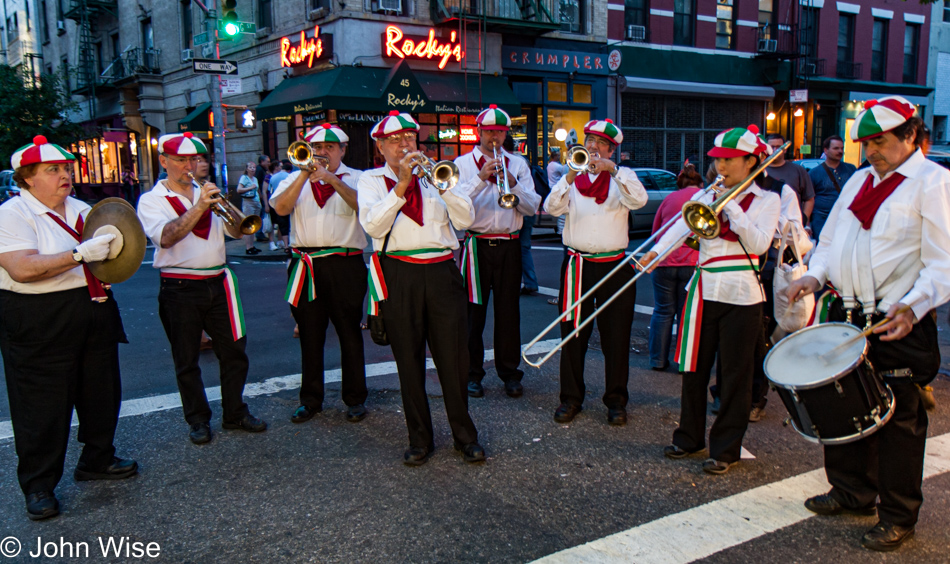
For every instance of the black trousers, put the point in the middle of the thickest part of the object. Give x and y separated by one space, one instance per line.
614 325
60 351
427 305
187 307
889 464
499 268
738 326
340 283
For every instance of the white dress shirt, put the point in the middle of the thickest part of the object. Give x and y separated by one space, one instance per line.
489 216
914 218
336 224
593 227
25 225
192 251
379 206
755 229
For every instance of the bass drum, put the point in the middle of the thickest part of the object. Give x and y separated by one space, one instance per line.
830 401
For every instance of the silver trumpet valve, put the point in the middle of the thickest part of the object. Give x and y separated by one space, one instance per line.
506 198
443 175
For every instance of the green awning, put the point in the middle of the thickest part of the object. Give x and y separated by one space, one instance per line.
379 90
197 120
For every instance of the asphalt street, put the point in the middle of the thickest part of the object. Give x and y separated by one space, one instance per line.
333 491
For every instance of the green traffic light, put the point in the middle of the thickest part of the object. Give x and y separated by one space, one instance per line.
231 28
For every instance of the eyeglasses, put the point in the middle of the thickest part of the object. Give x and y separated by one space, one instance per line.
183 160
397 138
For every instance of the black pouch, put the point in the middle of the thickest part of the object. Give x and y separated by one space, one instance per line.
377 330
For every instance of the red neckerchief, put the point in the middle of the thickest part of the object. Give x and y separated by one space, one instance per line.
724 231
413 206
481 162
870 197
597 189
323 191
203 227
96 291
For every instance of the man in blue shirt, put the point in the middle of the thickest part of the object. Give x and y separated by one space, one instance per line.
828 178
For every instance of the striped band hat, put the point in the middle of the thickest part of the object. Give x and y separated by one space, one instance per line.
604 128
326 133
392 124
40 151
494 118
738 142
881 116
181 145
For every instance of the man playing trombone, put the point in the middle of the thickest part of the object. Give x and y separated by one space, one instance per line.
414 284
597 195
502 192
198 290
327 275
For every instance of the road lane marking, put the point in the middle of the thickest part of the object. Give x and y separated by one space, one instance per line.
722 524
165 402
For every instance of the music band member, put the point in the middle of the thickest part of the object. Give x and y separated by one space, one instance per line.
59 331
198 291
491 256
415 286
597 203
886 243
327 275
723 309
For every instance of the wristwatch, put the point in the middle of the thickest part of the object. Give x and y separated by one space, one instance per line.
77 256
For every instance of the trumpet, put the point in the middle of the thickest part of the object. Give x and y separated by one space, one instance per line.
578 158
228 212
506 199
443 175
301 155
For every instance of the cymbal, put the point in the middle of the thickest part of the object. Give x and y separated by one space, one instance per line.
116 216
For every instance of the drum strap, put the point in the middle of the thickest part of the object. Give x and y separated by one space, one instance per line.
846 288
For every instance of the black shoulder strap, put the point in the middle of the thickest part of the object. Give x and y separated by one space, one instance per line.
386 241
831 176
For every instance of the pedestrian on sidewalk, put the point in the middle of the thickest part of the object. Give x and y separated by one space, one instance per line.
249 190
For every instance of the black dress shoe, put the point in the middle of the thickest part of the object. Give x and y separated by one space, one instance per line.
472 452
475 390
356 413
120 469
41 505
304 413
617 416
528 292
566 412
717 467
200 433
885 537
247 423
675 452
824 504
416 456
514 389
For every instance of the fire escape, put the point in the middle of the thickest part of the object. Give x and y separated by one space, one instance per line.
87 14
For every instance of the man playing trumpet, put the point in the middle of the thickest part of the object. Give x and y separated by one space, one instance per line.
502 192
198 291
327 275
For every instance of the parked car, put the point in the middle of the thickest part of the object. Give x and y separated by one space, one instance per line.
809 164
940 157
8 187
659 184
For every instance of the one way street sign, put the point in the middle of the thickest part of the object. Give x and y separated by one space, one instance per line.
214 66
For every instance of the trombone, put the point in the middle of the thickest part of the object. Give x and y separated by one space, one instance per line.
702 220
301 155
506 199
228 212
443 175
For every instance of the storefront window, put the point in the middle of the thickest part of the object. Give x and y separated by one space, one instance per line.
565 128
447 136
557 91
582 94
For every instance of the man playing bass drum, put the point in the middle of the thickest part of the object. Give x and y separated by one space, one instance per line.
886 243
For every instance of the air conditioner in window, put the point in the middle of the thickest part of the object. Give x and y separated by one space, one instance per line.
389 5
636 33
768 45
60 27
187 55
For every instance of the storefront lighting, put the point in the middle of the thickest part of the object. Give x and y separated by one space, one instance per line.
799 112
154 142
771 116
468 135
397 45
447 134
560 134
304 52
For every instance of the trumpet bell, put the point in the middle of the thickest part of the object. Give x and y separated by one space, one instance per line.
444 175
508 201
299 153
578 158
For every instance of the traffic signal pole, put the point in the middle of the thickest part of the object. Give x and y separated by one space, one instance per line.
214 88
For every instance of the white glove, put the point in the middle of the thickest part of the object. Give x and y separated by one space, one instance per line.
95 249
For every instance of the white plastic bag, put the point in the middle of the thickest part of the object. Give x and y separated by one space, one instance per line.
790 318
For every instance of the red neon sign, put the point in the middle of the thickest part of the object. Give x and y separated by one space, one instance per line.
306 51
467 134
395 44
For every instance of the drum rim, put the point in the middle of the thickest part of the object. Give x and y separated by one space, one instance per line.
828 380
856 436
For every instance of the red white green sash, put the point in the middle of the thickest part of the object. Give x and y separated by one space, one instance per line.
301 277
378 292
235 309
468 262
573 277
687 343
822 305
